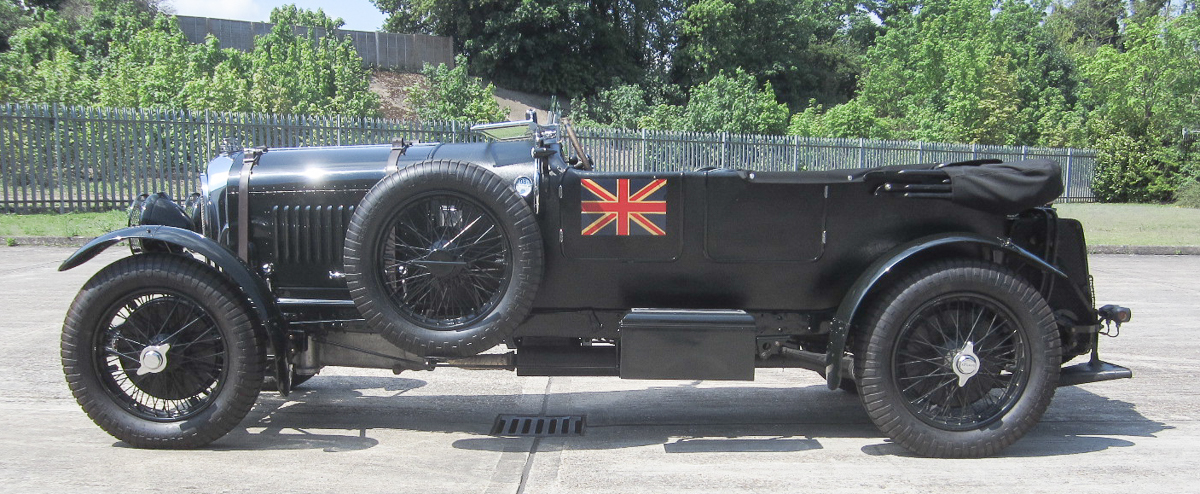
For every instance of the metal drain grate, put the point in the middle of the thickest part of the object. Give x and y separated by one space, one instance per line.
527 425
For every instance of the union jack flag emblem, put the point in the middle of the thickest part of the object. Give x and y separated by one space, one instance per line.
624 206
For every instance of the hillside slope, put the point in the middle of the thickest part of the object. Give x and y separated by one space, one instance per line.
392 88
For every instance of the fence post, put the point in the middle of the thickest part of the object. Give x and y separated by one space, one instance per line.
643 160
339 129
862 152
57 160
1070 154
796 152
208 137
1024 152
724 149
921 152
974 151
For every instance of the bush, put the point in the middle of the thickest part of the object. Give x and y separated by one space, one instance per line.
1188 194
1130 170
451 94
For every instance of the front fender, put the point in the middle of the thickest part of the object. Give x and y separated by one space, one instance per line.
870 278
252 286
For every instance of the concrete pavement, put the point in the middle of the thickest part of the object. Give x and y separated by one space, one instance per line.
350 430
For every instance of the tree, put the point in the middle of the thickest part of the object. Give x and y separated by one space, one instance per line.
1144 95
621 106
124 54
797 46
850 120
566 47
1084 25
732 103
313 74
969 71
451 94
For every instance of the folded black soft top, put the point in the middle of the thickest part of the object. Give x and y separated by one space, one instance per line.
1005 188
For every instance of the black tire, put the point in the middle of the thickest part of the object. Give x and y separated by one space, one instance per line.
929 331
151 305
443 258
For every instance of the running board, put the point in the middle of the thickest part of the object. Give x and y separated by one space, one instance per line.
1092 371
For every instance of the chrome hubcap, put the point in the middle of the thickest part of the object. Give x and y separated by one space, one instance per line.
966 364
153 359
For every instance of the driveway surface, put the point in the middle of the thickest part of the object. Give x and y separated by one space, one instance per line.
361 431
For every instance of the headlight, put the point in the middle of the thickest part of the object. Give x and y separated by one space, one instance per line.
158 209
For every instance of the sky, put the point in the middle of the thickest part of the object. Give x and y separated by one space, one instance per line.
360 15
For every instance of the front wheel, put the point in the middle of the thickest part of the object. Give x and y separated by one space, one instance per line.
960 360
161 353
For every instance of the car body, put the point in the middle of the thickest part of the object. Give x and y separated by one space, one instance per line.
948 295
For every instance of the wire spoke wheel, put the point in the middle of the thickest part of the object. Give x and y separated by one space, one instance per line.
959 359
929 361
446 261
443 258
160 351
161 356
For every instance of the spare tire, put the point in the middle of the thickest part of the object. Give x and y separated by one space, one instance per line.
443 258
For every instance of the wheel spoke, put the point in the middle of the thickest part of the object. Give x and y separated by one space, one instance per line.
194 363
938 331
459 261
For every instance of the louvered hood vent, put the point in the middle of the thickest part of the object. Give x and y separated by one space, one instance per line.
310 234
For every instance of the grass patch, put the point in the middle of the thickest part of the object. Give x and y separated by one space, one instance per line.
61 225
1135 224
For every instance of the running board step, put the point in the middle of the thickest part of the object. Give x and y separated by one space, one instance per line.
1090 372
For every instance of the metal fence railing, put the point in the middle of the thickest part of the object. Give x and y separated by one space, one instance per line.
671 151
56 158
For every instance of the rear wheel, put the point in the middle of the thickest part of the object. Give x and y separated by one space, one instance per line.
160 352
961 360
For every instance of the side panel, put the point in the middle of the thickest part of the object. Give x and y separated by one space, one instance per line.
771 242
748 220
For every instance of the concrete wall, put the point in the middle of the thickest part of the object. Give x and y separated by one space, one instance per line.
407 52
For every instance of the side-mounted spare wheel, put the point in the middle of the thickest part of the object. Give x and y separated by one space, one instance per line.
160 352
959 359
443 258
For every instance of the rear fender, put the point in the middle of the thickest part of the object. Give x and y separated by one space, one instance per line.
253 287
870 281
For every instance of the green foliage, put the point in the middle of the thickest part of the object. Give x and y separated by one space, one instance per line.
727 103
126 55
851 120
1151 86
12 18
1133 170
969 71
1148 90
621 106
1188 194
566 47
799 46
451 94
1081 26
